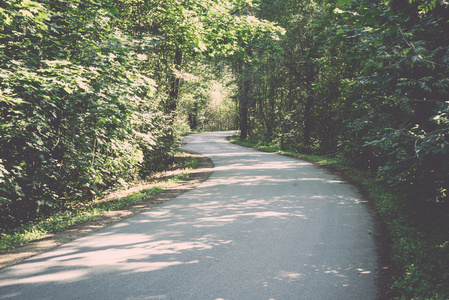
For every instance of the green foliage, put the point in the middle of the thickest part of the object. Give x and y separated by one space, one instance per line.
77 107
206 102
90 91
404 96
75 213
367 82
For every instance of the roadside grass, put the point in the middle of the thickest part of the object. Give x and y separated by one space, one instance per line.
419 257
76 212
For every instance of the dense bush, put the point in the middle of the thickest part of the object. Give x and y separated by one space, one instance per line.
400 118
78 112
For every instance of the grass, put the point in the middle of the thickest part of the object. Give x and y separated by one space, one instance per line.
419 267
78 213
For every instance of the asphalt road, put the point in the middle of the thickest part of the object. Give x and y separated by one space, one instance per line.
263 226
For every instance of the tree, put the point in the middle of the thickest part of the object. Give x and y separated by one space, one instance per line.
70 103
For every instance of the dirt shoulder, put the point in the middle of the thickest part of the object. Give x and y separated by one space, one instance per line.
200 174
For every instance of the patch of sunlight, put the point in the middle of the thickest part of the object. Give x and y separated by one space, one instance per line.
288 276
337 272
222 220
270 165
141 267
311 179
245 180
66 276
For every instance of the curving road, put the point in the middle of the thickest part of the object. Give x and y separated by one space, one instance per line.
263 226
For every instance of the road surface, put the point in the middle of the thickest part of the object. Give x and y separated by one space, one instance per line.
263 226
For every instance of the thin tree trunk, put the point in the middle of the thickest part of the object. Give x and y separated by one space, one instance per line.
245 98
308 124
170 108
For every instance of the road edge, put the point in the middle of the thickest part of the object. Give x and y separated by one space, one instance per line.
386 271
201 173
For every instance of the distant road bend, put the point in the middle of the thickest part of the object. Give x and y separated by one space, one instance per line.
263 226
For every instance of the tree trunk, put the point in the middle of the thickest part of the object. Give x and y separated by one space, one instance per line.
193 117
243 121
170 108
308 124
245 97
308 121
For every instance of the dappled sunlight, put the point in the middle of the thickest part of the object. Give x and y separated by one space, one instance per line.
220 213
336 272
288 276
335 275
220 220
233 155
140 267
122 252
255 161
342 200
313 179
62 276
341 275
244 180
260 225
116 251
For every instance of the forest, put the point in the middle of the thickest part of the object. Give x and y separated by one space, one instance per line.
95 94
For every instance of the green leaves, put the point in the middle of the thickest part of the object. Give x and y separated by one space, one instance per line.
113 10
76 98
425 6
343 2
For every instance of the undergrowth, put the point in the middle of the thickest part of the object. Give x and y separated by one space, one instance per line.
76 213
420 256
